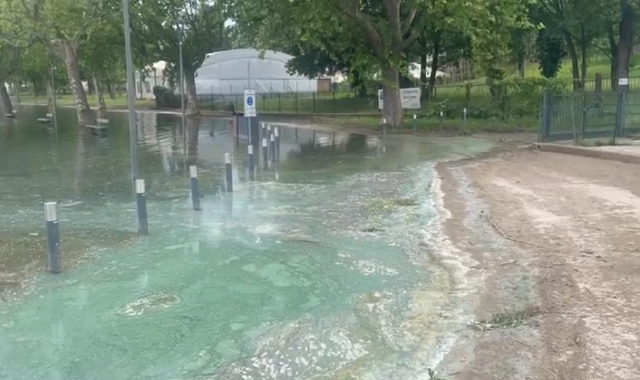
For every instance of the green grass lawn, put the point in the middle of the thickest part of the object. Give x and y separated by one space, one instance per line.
434 125
120 102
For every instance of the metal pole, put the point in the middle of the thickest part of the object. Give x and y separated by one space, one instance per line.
272 149
276 132
55 105
131 93
141 200
143 227
182 107
265 154
252 164
53 236
229 172
195 188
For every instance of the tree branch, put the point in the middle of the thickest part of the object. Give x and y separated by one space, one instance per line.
406 24
370 32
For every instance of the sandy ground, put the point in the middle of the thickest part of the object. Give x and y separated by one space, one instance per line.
554 232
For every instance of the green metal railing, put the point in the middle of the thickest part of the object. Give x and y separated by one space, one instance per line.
583 115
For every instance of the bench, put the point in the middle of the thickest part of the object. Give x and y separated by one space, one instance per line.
46 119
11 115
100 127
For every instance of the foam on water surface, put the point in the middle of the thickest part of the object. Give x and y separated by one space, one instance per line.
319 273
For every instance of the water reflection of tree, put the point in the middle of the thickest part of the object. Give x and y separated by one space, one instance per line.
322 156
193 129
83 135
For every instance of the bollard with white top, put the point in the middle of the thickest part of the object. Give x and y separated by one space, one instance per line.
141 199
252 163
441 116
228 172
272 148
415 123
384 127
195 188
464 115
265 154
276 132
53 237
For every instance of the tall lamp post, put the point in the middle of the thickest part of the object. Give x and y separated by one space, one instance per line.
182 106
55 105
133 130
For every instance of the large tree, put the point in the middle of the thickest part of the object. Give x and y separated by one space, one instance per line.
200 24
581 23
64 26
388 29
9 63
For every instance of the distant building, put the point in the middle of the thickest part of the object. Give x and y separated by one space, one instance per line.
152 76
230 72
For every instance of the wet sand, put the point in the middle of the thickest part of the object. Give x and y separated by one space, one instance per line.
553 234
24 254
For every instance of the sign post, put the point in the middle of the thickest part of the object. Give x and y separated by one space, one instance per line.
249 109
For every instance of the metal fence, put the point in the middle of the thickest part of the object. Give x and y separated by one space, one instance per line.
586 115
295 103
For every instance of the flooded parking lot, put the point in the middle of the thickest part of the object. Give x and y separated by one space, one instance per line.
316 268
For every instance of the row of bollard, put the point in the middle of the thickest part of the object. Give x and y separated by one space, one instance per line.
270 148
415 121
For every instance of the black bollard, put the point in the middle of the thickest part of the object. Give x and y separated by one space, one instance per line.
195 188
252 164
276 132
229 172
265 154
53 237
141 199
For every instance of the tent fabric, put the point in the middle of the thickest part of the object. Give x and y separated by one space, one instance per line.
231 72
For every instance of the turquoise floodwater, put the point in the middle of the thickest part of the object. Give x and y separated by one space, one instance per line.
309 272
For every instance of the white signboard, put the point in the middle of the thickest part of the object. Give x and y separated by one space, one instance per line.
249 103
623 81
409 98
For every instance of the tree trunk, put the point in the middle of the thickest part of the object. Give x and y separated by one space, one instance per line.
192 96
50 96
575 65
193 130
392 110
90 88
69 54
423 72
16 86
625 46
613 51
584 46
102 105
112 91
5 100
434 63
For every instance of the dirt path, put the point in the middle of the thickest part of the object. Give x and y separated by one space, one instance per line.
557 232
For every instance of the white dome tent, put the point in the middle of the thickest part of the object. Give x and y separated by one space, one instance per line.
231 72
